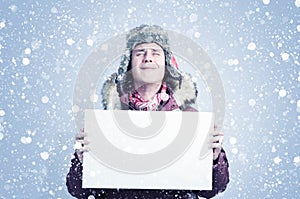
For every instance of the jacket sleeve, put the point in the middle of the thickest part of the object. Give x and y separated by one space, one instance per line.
220 177
74 181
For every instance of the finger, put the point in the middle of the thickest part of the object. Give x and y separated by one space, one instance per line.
216 145
80 136
82 142
217 139
216 133
82 150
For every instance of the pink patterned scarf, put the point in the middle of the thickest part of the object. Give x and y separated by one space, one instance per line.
138 103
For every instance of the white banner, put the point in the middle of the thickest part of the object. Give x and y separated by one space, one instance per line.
148 150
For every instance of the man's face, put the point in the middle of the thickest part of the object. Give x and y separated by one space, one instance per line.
148 64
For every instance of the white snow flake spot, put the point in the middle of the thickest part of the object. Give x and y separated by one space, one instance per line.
2 24
251 46
2 113
70 41
51 192
104 47
44 155
67 52
252 102
297 3
1 136
90 42
235 62
197 34
298 104
282 93
64 147
285 56
26 140
271 54
27 51
297 160
94 98
266 2
298 28
232 62
54 10
45 99
193 17
25 79
25 61
234 150
13 8
75 109
14 61
277 160
232 140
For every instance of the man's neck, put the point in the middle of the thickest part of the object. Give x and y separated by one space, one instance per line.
147 91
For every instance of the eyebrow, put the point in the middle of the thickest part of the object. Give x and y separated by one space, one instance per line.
144 49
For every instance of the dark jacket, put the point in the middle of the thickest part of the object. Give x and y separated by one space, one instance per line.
180 99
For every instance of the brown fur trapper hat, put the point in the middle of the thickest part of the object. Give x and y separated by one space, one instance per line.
148 34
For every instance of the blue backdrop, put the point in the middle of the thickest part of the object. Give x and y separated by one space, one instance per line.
254 45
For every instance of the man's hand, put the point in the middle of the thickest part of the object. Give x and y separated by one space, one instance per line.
80 144
216 142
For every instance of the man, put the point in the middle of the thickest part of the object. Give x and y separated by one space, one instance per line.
148 79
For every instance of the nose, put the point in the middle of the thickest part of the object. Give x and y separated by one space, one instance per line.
147 57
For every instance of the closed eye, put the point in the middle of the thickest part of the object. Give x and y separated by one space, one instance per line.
139 53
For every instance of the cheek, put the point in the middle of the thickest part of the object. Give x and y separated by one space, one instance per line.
135 62
161 62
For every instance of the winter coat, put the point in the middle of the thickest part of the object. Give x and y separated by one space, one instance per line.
182 97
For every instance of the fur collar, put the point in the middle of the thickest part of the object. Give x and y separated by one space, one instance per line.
185 95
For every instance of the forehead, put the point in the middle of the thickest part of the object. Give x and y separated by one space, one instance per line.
148 46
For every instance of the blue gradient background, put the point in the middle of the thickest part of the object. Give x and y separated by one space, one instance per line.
262 140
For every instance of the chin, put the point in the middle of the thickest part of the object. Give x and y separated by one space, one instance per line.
150 81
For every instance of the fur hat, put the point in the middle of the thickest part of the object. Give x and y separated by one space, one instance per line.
148 34
121 82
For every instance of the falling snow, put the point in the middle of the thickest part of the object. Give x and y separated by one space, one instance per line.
282 92
254 45
90 42
25 61
251 46
252 102
44 155
277 160
285 56
2 24
266 2
232 140
70 41
27 51
75 108
2 113
45 99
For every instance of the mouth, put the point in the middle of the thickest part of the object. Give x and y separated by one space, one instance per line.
145 67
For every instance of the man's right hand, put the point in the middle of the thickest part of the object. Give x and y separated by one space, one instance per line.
80 144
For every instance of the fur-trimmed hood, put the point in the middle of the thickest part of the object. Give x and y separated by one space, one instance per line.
185 93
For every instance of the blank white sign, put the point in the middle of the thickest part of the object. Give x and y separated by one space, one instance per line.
148 150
